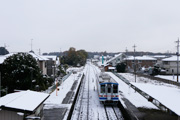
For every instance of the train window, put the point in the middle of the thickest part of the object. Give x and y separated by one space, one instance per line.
102 88
115 89
109 88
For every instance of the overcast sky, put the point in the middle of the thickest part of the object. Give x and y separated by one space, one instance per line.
93 25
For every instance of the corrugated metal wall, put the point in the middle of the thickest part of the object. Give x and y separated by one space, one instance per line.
9 115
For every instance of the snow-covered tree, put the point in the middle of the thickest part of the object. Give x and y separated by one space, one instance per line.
21 71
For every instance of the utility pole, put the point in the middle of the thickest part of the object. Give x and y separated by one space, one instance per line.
134 62
0 84
177 59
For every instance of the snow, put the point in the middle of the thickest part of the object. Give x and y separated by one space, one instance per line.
2 58
141 58
56 97
173 58
134 97
63 90
24 100
168 95
168 77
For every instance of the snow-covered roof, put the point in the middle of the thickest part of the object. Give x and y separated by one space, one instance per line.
173 58
141 58
2 58
116 56
24 100
160 56
111 68
38 57
54 58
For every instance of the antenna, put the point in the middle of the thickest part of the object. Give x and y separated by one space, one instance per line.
31 44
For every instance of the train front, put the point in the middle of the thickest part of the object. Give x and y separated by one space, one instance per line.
108 90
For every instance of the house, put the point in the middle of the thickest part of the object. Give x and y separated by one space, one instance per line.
159 59
170 65
114 61
140 61
41 61
22 105
52 63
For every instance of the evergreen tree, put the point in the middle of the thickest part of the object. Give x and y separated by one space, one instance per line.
21 71
121 67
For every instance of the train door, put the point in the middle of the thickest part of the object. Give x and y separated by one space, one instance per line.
109 91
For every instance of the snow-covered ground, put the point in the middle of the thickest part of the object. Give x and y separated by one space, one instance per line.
165 93
169 77
90 108
57 97
134 97
168 95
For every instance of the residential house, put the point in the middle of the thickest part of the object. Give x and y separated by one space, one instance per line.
140 61
159 59
114 61
52 63
41 61
170 65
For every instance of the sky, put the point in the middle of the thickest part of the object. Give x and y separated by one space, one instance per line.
92 25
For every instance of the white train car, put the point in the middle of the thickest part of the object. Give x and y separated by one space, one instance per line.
107 89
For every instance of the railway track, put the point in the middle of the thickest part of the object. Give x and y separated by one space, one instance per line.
87 105
113 113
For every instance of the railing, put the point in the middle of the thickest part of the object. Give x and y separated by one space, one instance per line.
145 95
53 87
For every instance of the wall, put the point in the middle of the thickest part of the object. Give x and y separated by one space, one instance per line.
9 115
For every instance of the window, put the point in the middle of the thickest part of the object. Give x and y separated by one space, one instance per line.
166 63
139 61
102 88
115 88
109 88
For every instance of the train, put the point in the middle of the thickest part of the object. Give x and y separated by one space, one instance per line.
107 89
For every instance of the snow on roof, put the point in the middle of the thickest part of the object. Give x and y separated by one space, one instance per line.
173 58
111 68
116 56
141 58
24 100
54 58
38 57
2 58
160 56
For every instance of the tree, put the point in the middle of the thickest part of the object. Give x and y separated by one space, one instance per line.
156 70
74 58
21 71
121 67
3 51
